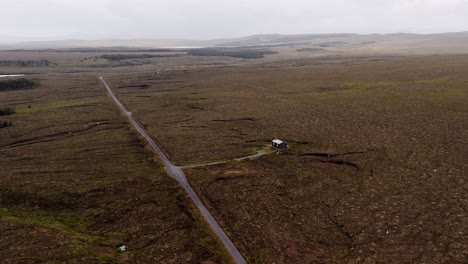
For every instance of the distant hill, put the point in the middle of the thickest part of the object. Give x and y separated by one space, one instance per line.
256 40
338 42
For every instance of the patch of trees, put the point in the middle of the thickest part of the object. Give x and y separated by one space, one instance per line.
5 124
18 84
243 54
27 63
7 111
118 57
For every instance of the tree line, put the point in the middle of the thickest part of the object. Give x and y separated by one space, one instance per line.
26 63
7 111
118 57
242 54
18 84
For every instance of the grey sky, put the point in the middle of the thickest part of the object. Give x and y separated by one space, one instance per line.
205 19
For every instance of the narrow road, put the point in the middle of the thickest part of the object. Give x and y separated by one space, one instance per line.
251 157
179 175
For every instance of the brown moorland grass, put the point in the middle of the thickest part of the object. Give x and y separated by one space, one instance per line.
377 167
76 183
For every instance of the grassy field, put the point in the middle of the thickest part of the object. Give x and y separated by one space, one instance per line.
377 167
76 183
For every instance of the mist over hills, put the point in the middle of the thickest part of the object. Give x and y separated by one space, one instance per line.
378 43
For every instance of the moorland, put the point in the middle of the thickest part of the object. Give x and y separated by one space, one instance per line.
375 170
377 161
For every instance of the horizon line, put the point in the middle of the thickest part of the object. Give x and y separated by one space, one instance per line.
210 39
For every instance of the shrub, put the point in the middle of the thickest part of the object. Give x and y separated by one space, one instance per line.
5 124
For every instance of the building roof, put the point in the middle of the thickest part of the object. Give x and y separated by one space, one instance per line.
277 141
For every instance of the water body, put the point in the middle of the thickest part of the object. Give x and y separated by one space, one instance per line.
11 75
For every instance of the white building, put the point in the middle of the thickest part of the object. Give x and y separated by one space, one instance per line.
277 143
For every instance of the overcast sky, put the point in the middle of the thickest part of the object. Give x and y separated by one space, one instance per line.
206 19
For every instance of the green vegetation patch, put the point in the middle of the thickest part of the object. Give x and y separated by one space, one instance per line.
72 223
370 85
365 85
18 84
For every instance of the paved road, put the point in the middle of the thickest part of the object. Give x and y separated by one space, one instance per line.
179 175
